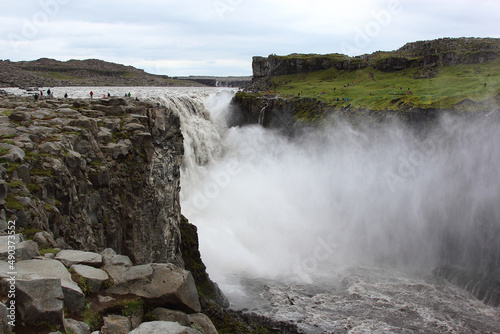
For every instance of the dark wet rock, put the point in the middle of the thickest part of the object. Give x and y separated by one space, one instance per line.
19 116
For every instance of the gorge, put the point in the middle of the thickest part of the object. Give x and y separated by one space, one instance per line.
319 215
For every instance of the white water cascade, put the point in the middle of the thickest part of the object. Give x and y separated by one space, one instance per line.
338 230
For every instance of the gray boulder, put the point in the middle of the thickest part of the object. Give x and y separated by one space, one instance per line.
125 276
53 148
4 319
166 286
120 149
95 277
163 314
44 240
76 327
4 188
7 131
26 250
46 268
110 258
116 324
4 244
134 127
15 155
3 220
19 116
23 172
202 321
104 135
163 327
86 123
67 111
197 320
40 300
71 257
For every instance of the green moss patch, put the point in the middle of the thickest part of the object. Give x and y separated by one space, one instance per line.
12 203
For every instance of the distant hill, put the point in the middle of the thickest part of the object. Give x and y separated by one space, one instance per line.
46 72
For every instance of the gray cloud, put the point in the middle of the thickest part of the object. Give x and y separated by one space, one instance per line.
219 37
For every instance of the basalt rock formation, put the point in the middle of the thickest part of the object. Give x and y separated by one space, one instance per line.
96 173
422 54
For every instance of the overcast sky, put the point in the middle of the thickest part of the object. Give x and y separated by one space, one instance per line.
219 37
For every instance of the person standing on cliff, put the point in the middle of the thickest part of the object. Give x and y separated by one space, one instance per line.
91 94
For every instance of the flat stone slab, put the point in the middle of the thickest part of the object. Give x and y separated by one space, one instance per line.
71 257
46 268
94 276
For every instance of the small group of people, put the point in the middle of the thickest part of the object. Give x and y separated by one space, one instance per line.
49 93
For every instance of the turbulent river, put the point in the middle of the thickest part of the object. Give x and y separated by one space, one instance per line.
338 230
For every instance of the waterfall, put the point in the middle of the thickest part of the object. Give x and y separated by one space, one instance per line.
343 195
352 218
262 115
202 130
336 229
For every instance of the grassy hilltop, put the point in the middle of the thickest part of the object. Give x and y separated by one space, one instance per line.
381 81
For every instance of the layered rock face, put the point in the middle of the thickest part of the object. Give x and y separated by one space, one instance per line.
294 64
422 54
96 173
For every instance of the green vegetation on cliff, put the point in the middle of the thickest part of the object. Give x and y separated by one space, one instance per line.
451 73
369 88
